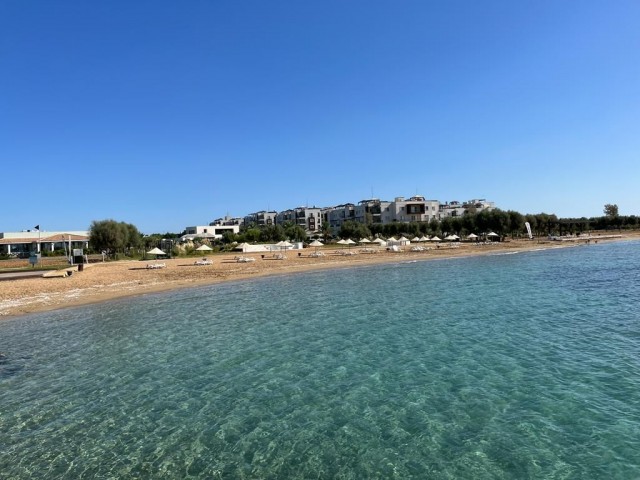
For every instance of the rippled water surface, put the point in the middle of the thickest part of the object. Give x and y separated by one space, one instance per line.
508 366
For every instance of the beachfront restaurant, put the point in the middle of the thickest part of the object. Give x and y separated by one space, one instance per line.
20 244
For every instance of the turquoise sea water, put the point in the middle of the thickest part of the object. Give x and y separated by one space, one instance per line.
508 366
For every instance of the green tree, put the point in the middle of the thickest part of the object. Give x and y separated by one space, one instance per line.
113 237
272 233
354 230
611 210
326 231
252 234
516 222
296 233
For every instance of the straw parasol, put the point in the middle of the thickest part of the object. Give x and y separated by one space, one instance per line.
316 244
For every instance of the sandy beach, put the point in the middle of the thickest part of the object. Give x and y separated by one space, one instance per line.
104 281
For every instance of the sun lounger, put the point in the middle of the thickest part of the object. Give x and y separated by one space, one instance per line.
204 261
156 265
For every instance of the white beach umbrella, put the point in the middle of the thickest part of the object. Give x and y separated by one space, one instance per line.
364 240
284 244
204 248
450 238
472 236
424 238
156 251
416 239
435 238
380 241
492 234
316 244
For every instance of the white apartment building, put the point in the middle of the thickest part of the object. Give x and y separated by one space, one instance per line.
457 209
414 209
308 218
370 211
208 231
336 216
226 220
261 219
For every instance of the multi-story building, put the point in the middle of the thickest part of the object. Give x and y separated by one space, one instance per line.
370 211
457 209
414 209
208 231
260 219
308 218
336 216
227 220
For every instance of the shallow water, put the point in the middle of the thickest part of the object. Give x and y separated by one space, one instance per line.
510 366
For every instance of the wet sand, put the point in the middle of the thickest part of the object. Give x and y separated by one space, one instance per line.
105 281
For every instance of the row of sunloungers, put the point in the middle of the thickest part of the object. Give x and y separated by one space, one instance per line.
280 256
420 248
345 252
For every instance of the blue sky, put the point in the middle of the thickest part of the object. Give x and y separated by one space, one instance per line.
169 114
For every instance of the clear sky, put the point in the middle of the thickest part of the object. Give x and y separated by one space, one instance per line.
167 114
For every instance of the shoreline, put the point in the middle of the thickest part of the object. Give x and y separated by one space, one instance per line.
103 282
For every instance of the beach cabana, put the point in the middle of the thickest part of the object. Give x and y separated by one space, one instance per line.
243 246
